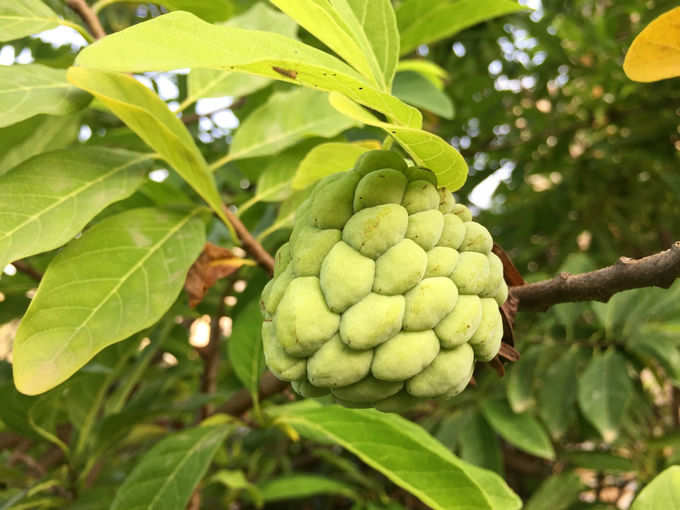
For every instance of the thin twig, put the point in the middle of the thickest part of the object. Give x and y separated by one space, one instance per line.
88 16
28 270
210 354
658 270
250 244
241 401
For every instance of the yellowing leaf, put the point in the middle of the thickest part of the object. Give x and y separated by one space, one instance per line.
148 116
426 149
655 52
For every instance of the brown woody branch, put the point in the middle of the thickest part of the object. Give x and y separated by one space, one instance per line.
88 16
250 244
658 270
241 401
28 270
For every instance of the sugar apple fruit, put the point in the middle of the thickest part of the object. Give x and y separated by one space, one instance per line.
387 291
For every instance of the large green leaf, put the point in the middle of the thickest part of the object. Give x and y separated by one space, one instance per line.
364 33
169 42
661 493
284 120
33 136
25 17
556 396
604 391
216 83
245 346
556 493
121 276
521 430
148 116
303 486
326 159
406 454
417 90
426 149
168 473
27 90
48 199
426 21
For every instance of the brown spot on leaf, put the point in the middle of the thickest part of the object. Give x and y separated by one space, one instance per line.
288 73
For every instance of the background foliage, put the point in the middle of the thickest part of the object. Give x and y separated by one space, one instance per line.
582 163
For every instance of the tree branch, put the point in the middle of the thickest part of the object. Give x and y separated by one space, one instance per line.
250 244
658 270
88 16
241 401
28 270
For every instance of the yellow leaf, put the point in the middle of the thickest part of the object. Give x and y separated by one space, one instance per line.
655 52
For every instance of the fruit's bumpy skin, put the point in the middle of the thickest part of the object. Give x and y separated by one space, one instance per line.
387 292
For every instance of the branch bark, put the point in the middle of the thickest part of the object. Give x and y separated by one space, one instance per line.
241 401
28 270
88 16
250 244
658 270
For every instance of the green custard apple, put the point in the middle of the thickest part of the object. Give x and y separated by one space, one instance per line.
387 292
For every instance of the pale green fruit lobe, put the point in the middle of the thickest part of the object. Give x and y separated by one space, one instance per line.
380 187
425 228
386 293
374 230
372 321
400 268
303 321
369 389
404 355
346 277
335 364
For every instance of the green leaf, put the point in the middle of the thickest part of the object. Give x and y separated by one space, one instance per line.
26 17
303 486
27 90
245 346
237 481
120 277
426 21
273 185
363 33
478 443
556 396
604 391
284 120
214 83
148 116
209 10
417 90
426 149
168 473
406 454
430 70
33 136
662 492
600 461
521 430
74 185
522 379
169 42
556 493
326 159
